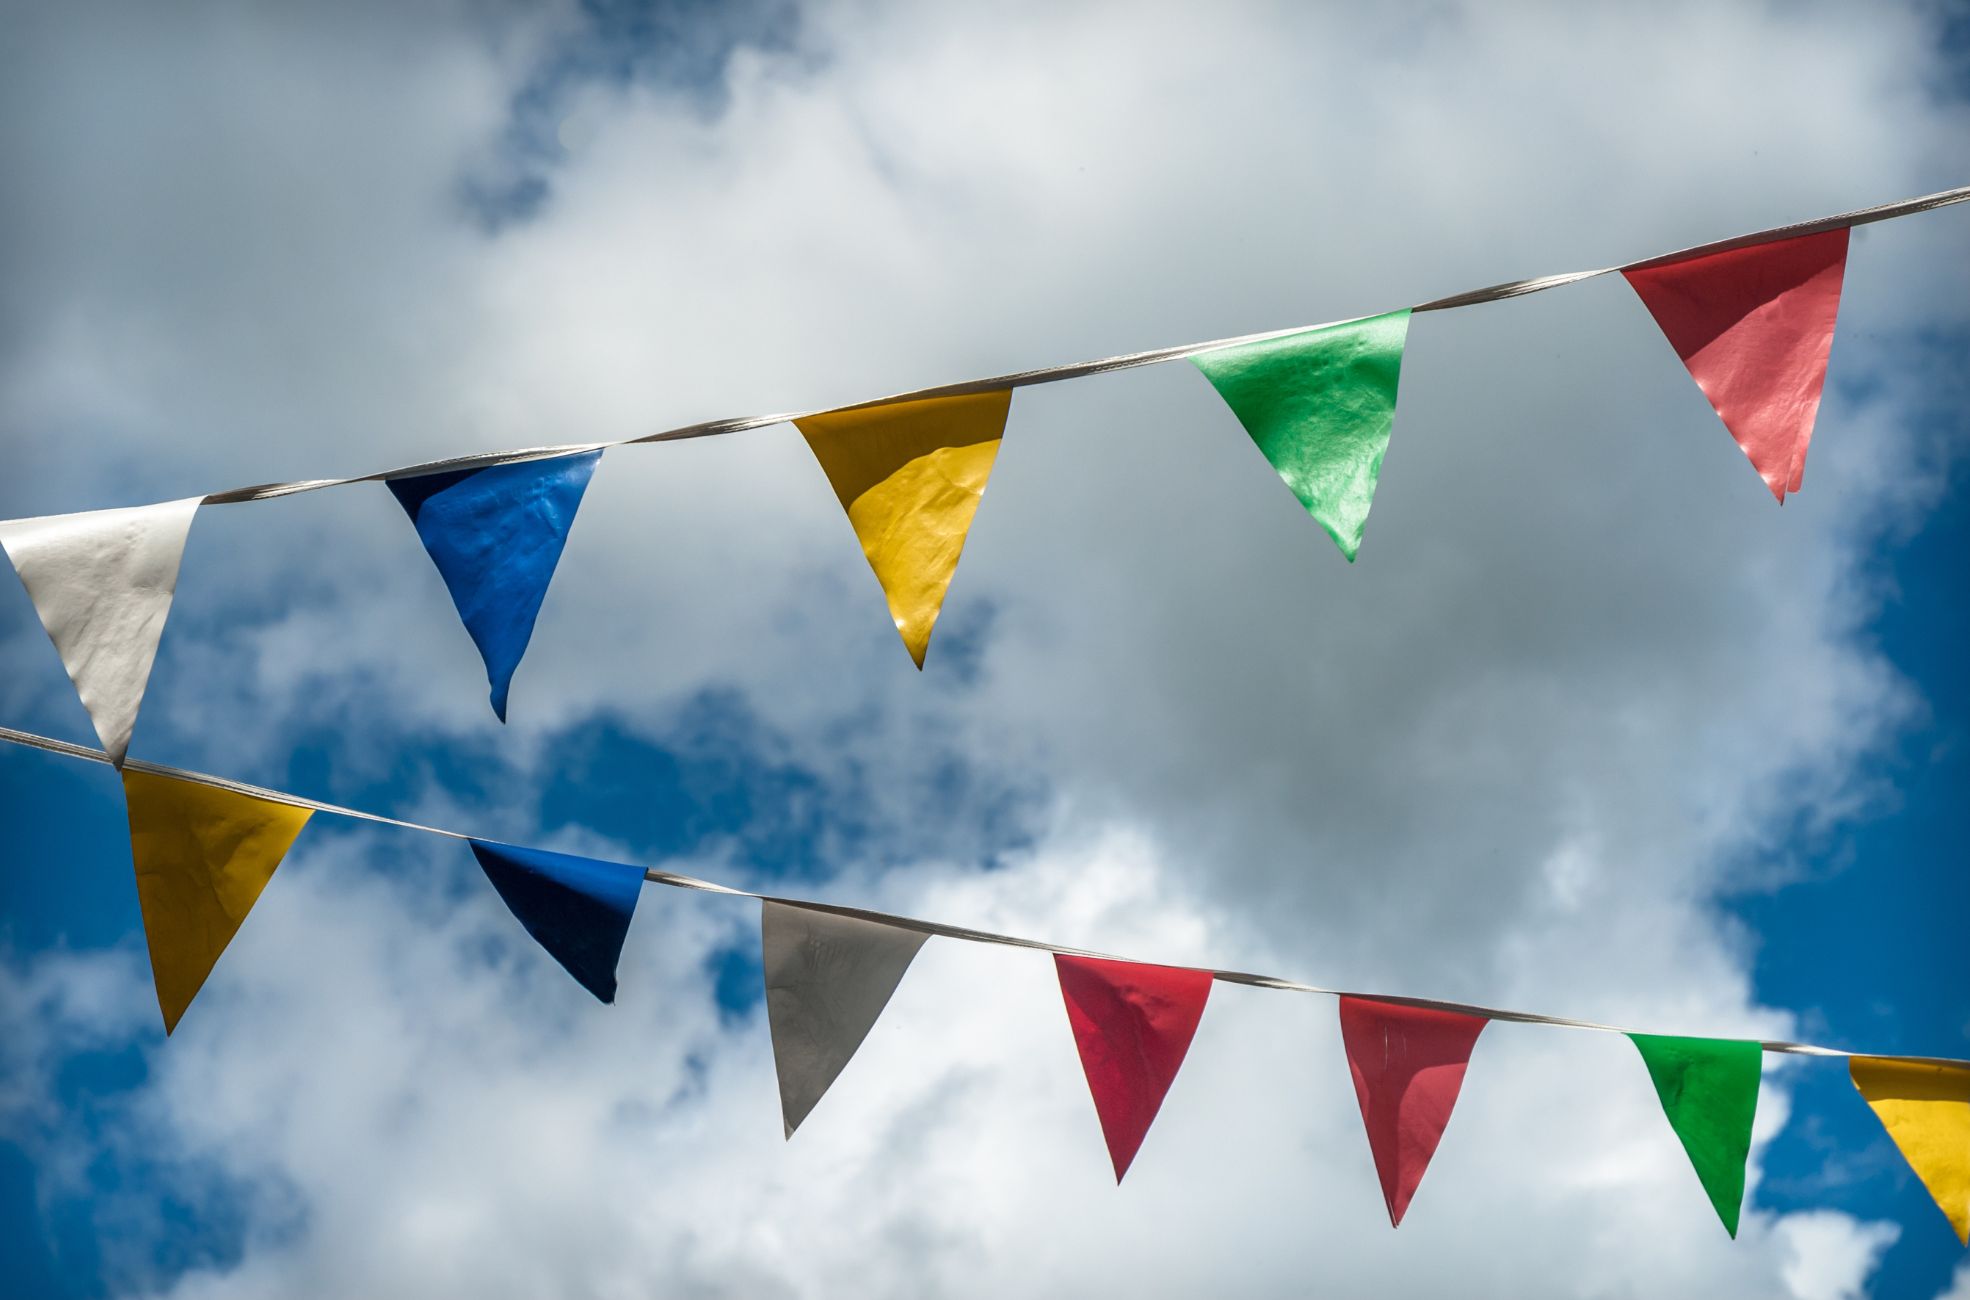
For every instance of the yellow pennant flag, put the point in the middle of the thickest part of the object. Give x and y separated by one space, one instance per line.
910 475
1926 1109
203 855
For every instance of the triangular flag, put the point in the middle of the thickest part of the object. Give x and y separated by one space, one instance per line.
910 475
827 979
1321 405
1408 1066
496 535
102 583
1709 1091
1754 326
203 854
1926 1108
576 908
1133 1023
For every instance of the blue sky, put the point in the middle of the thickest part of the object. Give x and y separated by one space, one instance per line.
1845 947
1591 728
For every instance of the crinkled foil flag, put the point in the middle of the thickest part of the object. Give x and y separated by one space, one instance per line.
203 854
1754 326
1132 1024
828 977
577 908
496 535
1709 1092
1408 1065
102 584
910 476
1925 1106
1321 406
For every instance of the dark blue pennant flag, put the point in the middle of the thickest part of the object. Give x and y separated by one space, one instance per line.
576 908
495 535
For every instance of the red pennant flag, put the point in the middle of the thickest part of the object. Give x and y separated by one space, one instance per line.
1408 1064
1754 326
1133 1024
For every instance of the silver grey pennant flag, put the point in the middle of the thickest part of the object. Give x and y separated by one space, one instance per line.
827 979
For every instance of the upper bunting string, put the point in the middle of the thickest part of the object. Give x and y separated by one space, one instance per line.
678 880
1105 365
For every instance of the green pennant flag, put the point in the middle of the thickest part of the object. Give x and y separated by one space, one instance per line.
1320 404
1709 1091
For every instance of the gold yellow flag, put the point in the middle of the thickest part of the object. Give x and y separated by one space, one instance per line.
910 475
1926 1109
203 855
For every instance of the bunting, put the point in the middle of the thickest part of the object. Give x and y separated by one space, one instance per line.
828 977
1752 319
1925 1107
102 584
910 475
1132 1023
496 535
204 849
1408 1066
1709 1091
578 909
1320 405
1754 326
202 854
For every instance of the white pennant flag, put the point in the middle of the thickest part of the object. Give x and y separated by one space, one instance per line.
827 979
102 583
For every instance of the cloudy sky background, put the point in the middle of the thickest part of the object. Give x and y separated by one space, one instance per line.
1591 728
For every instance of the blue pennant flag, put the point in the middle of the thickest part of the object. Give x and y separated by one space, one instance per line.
495 535
576 908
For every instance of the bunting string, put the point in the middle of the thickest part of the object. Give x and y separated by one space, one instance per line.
1105 365
939 929
1751 318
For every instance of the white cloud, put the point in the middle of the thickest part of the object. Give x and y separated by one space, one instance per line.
1829 1256
1583 677
60 1004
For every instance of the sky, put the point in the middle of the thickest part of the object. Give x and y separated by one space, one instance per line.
1591 728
